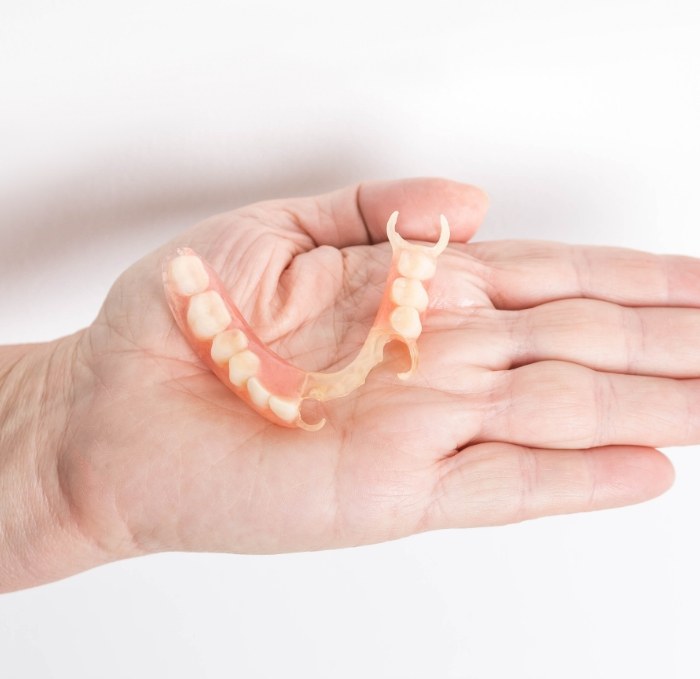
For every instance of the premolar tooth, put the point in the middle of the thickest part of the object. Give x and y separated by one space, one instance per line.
242 367
188 275
286 409
207 314
406 322
258 394
226 344
409 292
416 265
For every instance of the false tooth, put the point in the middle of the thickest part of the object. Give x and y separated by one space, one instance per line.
409 292
286 409
188 275
242 367
258 394
207 314
226 344
416 265
406 322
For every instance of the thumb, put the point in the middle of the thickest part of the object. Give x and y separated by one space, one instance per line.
420 202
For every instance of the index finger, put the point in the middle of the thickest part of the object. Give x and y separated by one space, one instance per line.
523 274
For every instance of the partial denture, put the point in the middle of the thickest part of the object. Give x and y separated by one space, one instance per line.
219 334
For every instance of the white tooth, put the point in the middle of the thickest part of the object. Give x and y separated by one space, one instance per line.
405 320
243 366
188 275
258 394
226 344
416 265
207 314
409 292
286 409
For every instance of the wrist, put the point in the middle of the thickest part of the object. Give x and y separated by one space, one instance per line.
40 540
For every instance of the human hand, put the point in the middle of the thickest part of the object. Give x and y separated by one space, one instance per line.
546 373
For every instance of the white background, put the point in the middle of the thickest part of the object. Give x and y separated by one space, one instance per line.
121 123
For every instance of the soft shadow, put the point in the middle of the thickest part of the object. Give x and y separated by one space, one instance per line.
104 203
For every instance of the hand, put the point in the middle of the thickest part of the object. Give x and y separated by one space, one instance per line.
546 374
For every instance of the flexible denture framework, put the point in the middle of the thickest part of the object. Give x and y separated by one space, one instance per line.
217 331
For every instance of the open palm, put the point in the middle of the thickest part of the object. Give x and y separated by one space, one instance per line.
546 373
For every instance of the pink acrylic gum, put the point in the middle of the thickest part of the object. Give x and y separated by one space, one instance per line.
272 386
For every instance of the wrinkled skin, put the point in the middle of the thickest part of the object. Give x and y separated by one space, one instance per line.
540 389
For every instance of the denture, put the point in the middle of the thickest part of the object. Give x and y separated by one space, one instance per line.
218 333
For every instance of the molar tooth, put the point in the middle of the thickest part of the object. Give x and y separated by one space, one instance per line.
188 275
416 265
409 292
286 409
406 322
207 314
258 394
226 344
242 366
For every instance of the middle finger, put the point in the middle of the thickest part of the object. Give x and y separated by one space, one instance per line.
604 336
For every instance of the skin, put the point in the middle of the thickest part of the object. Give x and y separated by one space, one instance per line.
548 373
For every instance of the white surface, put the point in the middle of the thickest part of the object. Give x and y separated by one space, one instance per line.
123 122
